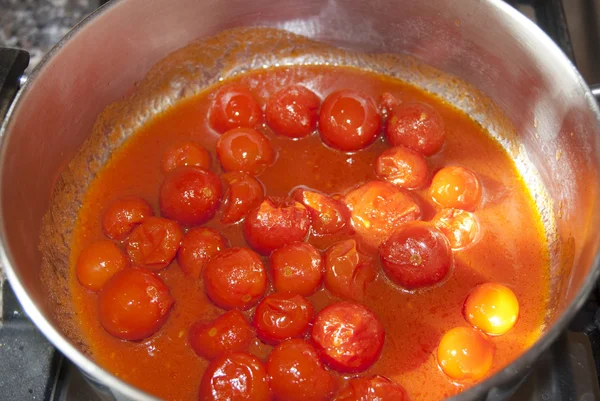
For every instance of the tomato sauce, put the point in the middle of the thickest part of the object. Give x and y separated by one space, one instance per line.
511 249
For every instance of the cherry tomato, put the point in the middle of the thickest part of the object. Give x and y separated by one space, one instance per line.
242 193
349 120
185 154
280 316
154 243
492 308
274 223
234 106
190 195
235 278
236 376
297 268
417 255
197 247
98 262
348 336
293 111
388 102
459 226
296 373
348 272
327 215
134 304
374 388
402 167
456 187
377 208
465 354
245 149
230 332
417 126
121 216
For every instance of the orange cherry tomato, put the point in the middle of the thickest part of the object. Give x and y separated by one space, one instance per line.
197 247
297 268
234 106
465 354
296 373
374 388
185 154
417 126
242 192
235 278
347 271
230 332
456 187
154 243
493 308
245 149
98 262
122 215
281 315
134 304
349 120
327 215
293 111
348 336
402 167
459 226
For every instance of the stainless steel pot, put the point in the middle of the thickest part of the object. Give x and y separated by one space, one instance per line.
483 42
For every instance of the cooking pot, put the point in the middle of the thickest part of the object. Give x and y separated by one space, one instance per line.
483 42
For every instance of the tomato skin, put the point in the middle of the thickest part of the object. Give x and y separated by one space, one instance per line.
197 247
374 388
98 262
245 370
492 308
348 336
245 149
296 373
235 278
154 243
402 167
456 187
242 192
465 354
123 215
459 226
185 154
274 223
417 126
134 304
230 332
347 271
349 120
388 102
297 268
293 111
327 215
234 106
281 316
190 195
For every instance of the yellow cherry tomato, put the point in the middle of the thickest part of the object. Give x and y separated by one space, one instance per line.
492 308
465 354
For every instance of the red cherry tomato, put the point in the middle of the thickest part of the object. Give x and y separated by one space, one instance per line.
417 126
190 195
402 167
245 149
297 268
348 272
348 336
465 354
459 226
234 106
388 102
134 304
242 193
293 111
235 278
154 243
280 316
98 262
492 308
327 215
417 255
456 187
230 332
185 154
197 247
374 388
296 373
121 216
349 120
274 223
236 376
377 208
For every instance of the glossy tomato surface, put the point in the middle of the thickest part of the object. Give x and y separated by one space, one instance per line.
245 149
241 193
98 262
348 272
154 243
456 187
230 332
374 388
327 215
492 308
282 315
185 154
234 106
123 215
417 126
293 111
403 167
459 226
297 268
198 246
465 354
